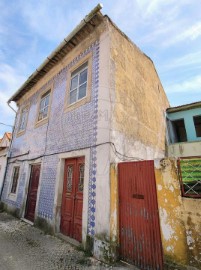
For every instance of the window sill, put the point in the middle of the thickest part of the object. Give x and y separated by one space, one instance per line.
20 133
77 104
41 122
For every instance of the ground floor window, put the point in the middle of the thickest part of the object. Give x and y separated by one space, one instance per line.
15 177
190 176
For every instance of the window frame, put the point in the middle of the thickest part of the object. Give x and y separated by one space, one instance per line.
78 72
183 193
12 195
40 97
176 134
196 133
21 132
87 98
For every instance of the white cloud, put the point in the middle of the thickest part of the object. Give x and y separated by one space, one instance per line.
192 33
10 78
10 81
50 19
192 86
190 61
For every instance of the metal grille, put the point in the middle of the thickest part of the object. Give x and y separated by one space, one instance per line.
69 178
190 176
81 178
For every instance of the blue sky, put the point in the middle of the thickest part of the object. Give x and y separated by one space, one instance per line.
169 32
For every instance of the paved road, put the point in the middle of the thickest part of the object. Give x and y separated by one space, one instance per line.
24 247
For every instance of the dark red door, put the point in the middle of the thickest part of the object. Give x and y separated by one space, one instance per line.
32 192
72 199
140 240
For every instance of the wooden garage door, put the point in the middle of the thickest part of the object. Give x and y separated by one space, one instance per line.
140 240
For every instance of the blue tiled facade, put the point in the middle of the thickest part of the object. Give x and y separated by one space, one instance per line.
64 132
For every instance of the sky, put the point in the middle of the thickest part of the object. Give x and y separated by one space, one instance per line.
169 32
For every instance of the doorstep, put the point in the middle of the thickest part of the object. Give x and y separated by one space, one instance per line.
68 239
27 221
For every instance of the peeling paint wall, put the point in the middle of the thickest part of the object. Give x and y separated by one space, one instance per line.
180 218
184 149
138 101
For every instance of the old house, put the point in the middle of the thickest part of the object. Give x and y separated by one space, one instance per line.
184 128
4 146
95 102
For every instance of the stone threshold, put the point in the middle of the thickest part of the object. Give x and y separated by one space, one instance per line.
27 221
68 239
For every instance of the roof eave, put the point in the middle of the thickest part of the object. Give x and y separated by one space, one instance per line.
16 96
184 107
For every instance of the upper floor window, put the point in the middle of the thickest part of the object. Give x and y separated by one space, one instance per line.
78 85
15 177
23 119
179 130
197 123
44 106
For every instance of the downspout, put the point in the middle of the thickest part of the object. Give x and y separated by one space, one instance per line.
8 153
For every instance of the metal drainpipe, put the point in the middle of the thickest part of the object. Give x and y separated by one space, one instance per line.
8 154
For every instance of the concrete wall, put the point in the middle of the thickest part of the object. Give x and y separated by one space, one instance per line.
187 115
138 101
180 217
184 149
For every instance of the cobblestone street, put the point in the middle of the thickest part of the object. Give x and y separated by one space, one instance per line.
24 247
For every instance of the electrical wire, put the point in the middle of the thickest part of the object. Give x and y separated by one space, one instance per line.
116 152
5 125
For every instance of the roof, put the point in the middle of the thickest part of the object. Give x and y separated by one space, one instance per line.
184 107
86 26
9 135
5 142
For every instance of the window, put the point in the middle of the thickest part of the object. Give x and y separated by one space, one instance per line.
23 119
15 178
44 106
190 177
78 85
197 123
179 130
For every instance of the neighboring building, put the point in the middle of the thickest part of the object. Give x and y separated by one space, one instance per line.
184 133
4 146
96 101
184 128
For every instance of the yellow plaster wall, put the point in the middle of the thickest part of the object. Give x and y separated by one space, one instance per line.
179 217
139 98
114 226
192 219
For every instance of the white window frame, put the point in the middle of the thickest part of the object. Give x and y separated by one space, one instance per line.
44 98
22 131
77 72
11 195
72 73
48 91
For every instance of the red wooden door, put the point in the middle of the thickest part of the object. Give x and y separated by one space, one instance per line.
32 192
72 199
140 240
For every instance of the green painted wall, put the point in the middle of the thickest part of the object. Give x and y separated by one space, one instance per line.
188 120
